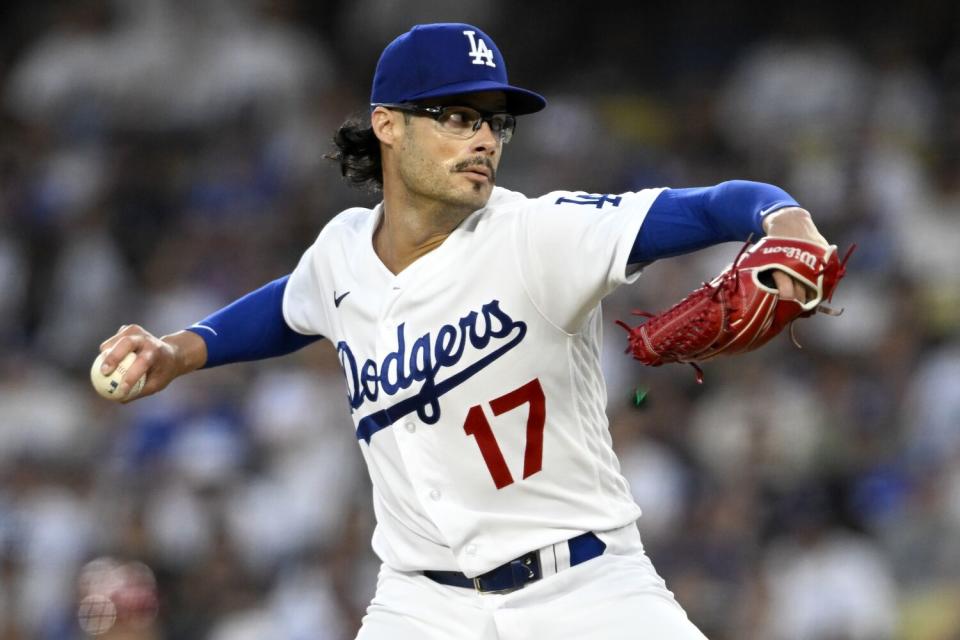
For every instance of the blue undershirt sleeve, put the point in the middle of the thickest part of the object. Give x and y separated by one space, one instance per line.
684 220
251 328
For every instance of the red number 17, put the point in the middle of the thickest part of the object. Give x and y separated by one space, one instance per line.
478 426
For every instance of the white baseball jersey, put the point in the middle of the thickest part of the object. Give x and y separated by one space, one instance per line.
474 375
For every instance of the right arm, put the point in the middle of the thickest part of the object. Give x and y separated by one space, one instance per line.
251 328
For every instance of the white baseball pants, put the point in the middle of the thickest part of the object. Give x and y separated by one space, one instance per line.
617 596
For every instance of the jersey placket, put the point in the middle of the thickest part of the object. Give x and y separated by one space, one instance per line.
408 431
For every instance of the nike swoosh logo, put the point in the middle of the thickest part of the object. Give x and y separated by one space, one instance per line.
338 299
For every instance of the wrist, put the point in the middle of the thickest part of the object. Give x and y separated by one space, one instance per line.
189 351
793 222
786 216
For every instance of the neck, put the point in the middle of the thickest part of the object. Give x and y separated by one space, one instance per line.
412 227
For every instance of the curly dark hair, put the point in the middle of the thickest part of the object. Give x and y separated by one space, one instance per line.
358 152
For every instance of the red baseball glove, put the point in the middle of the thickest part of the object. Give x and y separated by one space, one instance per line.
739 310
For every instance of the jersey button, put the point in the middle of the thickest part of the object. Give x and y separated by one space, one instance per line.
471 549
410 427
435 495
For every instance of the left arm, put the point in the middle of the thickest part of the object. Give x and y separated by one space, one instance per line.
684 220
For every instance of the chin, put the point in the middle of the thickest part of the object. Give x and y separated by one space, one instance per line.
469 200
479 195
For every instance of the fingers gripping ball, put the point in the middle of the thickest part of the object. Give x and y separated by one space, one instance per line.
108 386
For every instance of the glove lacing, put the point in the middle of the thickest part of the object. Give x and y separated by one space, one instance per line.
670 346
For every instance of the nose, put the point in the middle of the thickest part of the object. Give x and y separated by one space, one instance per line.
485 140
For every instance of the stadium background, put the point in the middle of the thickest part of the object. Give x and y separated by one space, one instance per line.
160 157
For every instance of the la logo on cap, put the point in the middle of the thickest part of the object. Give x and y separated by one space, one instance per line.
479 51
428 62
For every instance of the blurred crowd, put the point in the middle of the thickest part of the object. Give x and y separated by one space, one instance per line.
159 158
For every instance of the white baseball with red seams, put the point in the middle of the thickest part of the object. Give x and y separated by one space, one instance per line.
108 386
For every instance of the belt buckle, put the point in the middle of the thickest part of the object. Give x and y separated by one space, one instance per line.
528 568
479 588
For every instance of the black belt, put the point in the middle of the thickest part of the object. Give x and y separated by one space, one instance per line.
520 572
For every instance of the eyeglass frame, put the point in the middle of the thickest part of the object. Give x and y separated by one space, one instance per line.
436 112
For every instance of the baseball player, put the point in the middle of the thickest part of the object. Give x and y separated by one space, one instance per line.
467 322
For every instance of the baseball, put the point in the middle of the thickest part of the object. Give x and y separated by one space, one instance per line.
107 386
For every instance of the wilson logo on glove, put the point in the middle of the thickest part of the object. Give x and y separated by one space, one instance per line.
805 257
740 310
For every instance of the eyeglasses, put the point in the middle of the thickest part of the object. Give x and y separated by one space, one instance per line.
461 122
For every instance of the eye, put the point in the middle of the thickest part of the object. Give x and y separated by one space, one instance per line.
459 118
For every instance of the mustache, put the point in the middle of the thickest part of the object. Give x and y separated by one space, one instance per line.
478 161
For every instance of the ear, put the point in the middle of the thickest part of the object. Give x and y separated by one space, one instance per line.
387 125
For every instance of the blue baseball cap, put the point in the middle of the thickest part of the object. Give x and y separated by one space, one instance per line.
444 59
